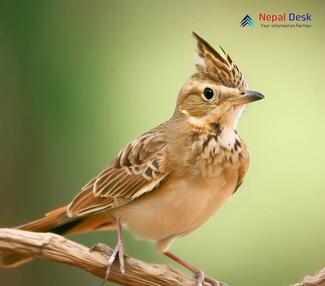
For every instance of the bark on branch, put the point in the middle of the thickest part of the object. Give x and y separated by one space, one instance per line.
318 279
57 248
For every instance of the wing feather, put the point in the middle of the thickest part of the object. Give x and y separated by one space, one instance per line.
137 169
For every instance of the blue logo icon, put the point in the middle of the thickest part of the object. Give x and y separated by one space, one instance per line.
247 20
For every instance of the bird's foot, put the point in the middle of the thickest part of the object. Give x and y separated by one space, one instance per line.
201 278
119 251
199 275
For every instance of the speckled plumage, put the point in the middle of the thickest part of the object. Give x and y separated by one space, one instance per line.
170 180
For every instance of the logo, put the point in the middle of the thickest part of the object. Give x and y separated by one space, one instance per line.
284 17
279 20
247 20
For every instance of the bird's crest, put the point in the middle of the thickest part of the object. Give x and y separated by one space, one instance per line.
221 69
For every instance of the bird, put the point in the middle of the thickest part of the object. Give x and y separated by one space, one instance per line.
170 180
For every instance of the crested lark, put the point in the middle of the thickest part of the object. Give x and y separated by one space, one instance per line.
170 180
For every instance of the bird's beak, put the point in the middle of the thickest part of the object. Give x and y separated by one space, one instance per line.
248 97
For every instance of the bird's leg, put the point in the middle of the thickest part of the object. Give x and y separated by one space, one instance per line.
118 250
199 275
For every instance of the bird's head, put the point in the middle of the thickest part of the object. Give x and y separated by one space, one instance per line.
217 93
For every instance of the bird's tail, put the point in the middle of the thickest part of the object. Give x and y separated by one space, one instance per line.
57 221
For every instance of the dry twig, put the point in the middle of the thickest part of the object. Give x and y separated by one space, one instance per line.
57 248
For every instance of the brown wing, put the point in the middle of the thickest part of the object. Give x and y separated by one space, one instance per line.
222 69
137 169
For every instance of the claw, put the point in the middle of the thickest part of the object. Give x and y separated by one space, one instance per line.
199 275
121 254
119 251
214 282
201 278
107 251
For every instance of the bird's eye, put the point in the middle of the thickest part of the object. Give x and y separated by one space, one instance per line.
208 93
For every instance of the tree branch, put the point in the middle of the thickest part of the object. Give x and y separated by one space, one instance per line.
318 279
57 248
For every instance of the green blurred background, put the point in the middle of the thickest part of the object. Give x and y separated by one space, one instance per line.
79 79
